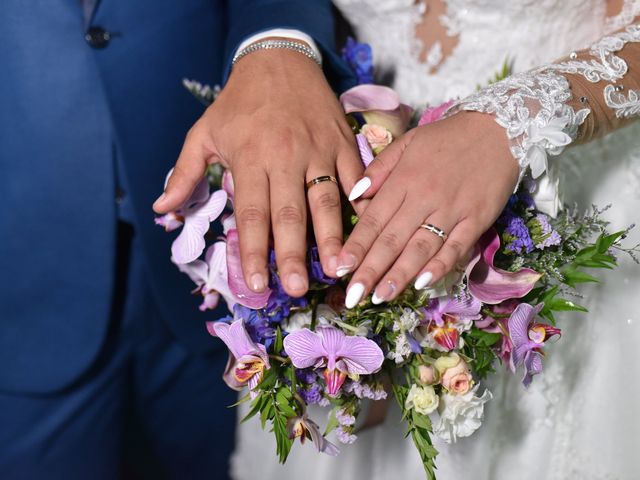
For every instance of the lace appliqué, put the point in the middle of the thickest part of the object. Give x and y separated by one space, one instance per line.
532 108
625 106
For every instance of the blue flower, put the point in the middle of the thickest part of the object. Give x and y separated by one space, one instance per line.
360 59
317 273
516 236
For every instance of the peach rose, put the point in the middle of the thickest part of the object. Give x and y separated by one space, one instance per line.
457 380
427 374
377 136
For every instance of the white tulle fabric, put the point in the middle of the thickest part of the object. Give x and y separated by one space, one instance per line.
581 417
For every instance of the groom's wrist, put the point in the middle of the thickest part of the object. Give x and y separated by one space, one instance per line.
283 34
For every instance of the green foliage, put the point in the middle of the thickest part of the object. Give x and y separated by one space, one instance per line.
420 429
479 349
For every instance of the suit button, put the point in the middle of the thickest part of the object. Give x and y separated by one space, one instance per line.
97 37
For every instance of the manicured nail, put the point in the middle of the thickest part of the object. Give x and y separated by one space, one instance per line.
423 280
332 264
354 295
257 282
359 188
383 292
347 262
160 199
296 282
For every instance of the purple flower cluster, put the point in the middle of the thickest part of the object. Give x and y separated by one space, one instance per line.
259 325
309 388
360 59
548 237
516 236
280 302
317 273
364 390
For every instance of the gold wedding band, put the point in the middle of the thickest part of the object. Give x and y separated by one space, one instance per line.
323 178
433 229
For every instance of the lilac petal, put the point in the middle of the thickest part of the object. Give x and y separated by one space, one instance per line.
332 342
518 325
322 444
228 223
369 97
210 301
366 155
198 271
211 208
492 285
361 355
228 376
532 366
464 307
190 243
170 221
227 184
237 284
216 260
200 194
305 348
238 341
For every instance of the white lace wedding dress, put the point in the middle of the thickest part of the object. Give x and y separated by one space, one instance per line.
581 418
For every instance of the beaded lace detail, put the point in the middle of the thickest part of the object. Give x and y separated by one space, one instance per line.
533 106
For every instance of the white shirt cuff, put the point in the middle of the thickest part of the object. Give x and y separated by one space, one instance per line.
283 33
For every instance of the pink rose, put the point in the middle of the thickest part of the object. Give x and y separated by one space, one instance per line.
427 374
377 136
457 379
433 114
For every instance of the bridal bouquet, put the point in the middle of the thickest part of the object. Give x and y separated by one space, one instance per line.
429 348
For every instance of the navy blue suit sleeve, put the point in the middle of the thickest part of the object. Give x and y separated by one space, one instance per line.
313 17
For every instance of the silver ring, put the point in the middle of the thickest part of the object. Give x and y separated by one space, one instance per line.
433 229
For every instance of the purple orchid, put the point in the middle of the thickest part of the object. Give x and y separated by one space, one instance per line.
447 317
339 354
378 105
247 360
527 339
195 215
210 276
237 284
493 285
303 427
227 184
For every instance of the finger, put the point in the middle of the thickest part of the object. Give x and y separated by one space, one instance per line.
188 171
251 206
378 171
350 167
384 251
370 226
422 246
456 247
326 214
289 220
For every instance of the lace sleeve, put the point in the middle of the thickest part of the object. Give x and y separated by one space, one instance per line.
579 98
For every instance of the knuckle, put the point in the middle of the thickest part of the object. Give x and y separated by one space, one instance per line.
368 272
390 240
289 258
438 267
328 201
371 223
456 247
289 215
423 247
251 215
329 241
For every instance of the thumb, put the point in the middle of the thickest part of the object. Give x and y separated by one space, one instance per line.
378 171
189 170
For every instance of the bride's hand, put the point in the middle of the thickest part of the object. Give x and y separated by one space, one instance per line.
276 125
455 174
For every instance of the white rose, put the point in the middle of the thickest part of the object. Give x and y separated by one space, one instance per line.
297 321
460 415
446 284
546 196
423 400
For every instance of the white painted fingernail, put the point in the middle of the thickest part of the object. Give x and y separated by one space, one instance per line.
423 280
359 188
375 299
354 295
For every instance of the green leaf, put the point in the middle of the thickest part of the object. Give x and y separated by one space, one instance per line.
605 242
278 343
332 423
573 277
255 406
563 305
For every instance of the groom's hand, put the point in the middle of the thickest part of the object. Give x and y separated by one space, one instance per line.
276 125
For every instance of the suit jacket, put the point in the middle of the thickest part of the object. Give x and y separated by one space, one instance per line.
68 109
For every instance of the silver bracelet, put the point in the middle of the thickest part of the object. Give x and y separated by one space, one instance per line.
269 44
